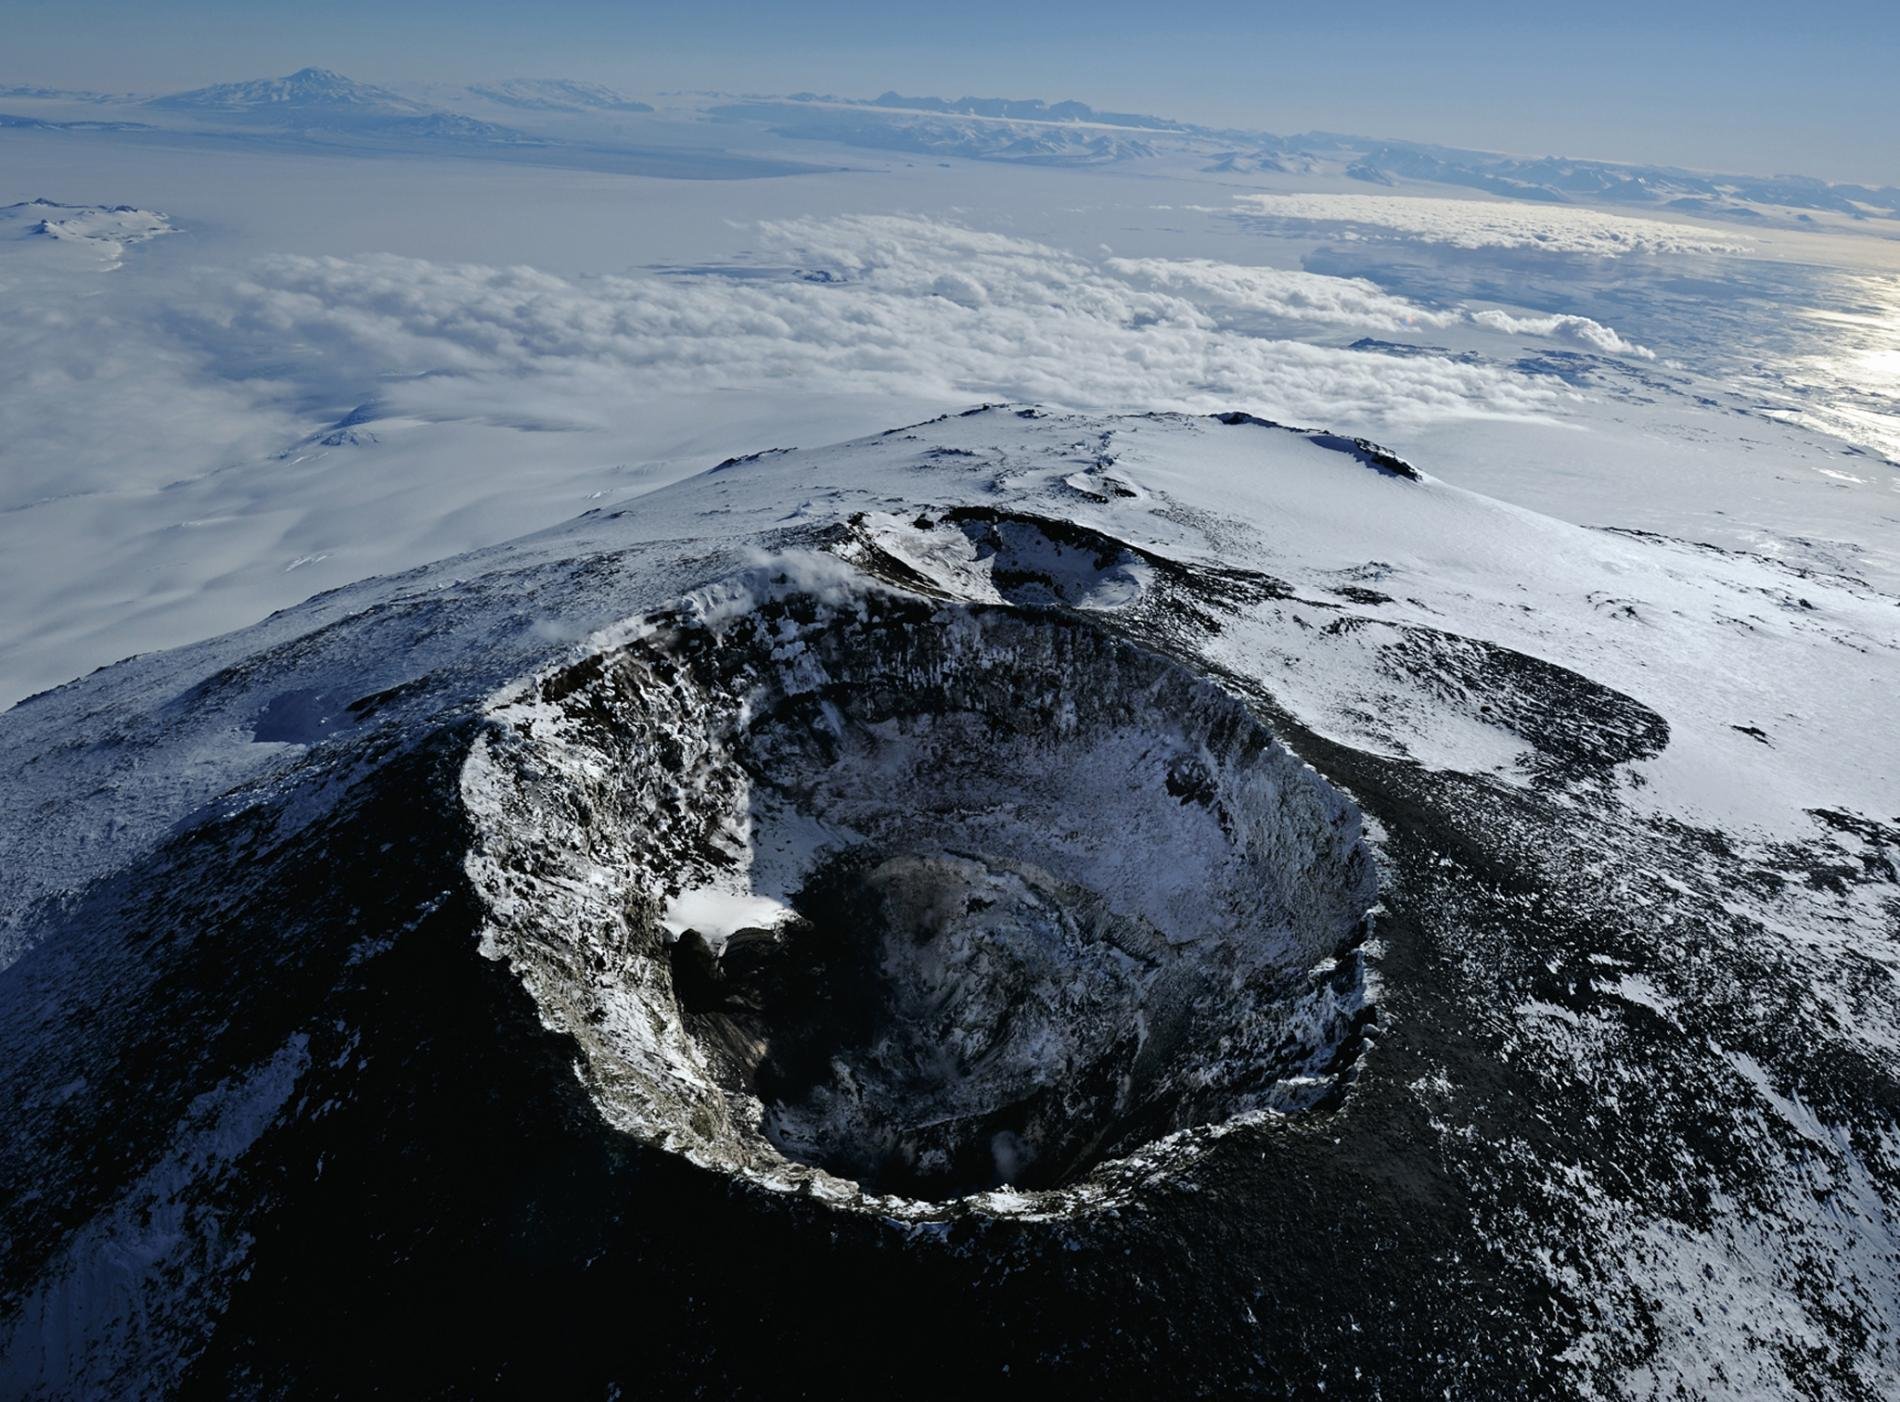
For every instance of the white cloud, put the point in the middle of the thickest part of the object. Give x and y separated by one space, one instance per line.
1492 224
906 306
1303 297
1563 327
1284 294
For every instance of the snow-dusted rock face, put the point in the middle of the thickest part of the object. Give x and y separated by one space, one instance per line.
938 898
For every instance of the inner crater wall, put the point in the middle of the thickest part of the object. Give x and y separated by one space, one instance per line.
917 900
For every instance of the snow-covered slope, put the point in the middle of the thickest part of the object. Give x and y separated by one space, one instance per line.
493 942
88 235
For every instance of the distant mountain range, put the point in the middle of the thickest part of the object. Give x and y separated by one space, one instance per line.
1023 109
321 103
1034 131
556 95
14 122
1557 180
1035 141
320 92
46 94
316 98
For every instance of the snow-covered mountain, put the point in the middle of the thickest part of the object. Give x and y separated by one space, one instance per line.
100 234
307 90
1560 180
1271 159
1074 133
1098 890
40 92
1018 130
13 121
315 99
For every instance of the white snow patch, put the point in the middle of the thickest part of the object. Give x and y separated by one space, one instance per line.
716 914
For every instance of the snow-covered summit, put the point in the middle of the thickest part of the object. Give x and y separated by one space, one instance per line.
306 90
97 233
317 102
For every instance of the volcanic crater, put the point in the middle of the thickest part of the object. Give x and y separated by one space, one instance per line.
913 900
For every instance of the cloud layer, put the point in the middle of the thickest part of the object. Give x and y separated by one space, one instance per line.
876 304
1301 297
1593 335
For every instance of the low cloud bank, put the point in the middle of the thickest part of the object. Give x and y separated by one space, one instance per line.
899 305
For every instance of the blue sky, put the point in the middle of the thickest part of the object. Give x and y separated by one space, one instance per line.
1747 86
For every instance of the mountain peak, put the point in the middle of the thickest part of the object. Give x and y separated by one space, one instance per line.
309 88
